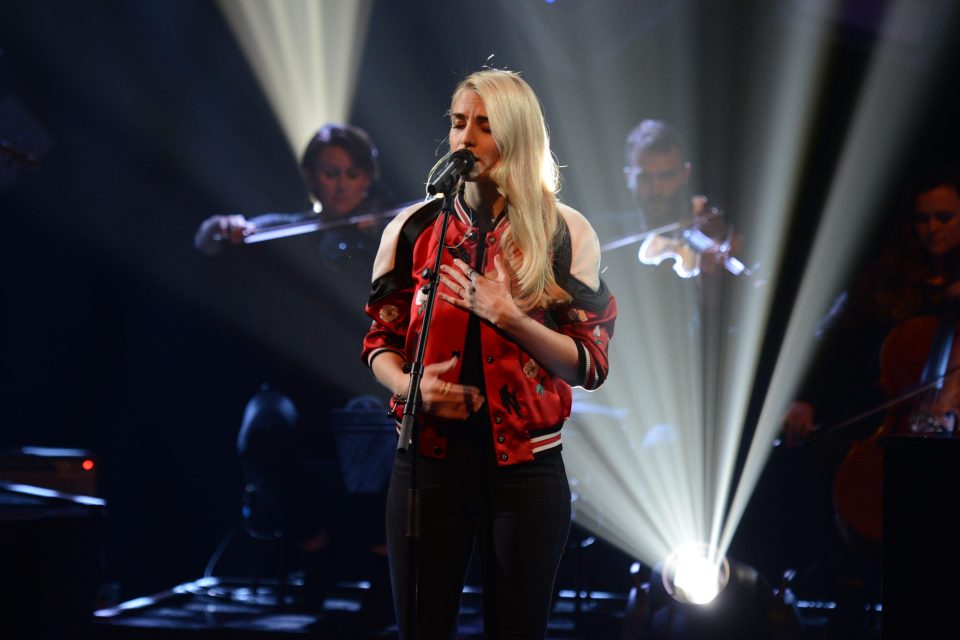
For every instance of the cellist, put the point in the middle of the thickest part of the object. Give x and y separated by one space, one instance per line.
915 275
867 342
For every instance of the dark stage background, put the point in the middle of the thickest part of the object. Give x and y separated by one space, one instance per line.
119 337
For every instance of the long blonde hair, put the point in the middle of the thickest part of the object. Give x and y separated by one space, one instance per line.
528 178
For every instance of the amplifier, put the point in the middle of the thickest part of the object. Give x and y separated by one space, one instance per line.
65 470
51 551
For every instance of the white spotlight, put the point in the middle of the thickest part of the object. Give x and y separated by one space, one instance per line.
692 574
305 53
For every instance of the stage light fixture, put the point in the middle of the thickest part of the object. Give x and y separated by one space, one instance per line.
694 574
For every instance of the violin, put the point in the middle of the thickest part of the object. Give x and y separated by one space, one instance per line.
921 349
687 244
308 222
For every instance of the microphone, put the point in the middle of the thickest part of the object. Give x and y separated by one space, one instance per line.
459 163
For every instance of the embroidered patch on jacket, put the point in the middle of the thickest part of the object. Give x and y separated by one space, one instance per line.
532 370
509 400
577 314
389 313
596 336
419 300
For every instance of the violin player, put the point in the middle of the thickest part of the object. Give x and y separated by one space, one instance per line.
302 297
657 174
341 171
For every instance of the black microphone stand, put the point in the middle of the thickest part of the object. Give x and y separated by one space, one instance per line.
409 433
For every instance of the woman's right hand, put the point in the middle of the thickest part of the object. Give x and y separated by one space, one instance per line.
217 229
446 399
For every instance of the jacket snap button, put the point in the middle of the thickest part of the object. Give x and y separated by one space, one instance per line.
503 456
438 450
489 359
501 439
498 419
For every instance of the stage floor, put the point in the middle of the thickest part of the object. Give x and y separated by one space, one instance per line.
235 607
223 607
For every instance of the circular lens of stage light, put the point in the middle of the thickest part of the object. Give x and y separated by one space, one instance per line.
692 574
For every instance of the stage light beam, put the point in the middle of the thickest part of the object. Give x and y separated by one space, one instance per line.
305 54
659 469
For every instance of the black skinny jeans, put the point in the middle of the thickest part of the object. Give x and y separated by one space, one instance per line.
516 517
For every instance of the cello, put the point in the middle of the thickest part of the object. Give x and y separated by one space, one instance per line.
919 354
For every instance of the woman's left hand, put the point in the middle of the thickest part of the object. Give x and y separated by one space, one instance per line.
487 297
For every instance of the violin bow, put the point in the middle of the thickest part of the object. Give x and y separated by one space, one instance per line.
287 229
673 226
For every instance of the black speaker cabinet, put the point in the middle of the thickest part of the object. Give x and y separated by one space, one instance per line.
921 546
50 546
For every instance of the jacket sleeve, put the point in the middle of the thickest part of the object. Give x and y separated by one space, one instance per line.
388 330
590 315
391 292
